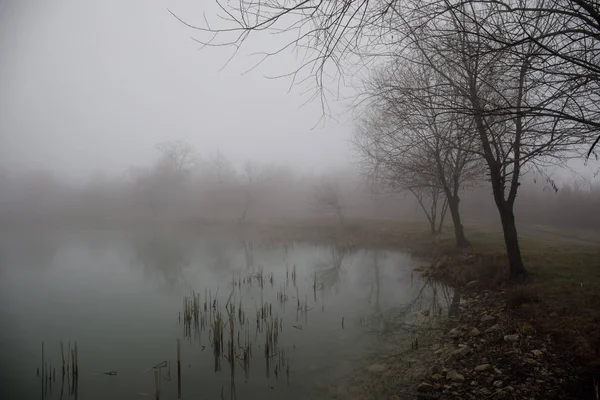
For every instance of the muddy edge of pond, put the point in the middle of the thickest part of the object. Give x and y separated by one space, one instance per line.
482 350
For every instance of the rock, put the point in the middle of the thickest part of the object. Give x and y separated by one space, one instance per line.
424 387
454 376
537 353
511 338
498 384
474 332
473 383
461 352
377 368
493 328
488 318
436 377
455 333
471 284
483 367
509 389
497 371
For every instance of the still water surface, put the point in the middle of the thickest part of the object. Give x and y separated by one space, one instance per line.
121 297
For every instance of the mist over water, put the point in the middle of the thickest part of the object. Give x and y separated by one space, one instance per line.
120 296
151 179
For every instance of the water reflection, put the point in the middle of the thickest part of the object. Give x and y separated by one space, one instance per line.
163 258
329 272
31 250
273 318
249 254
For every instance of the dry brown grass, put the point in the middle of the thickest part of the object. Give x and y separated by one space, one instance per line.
519 295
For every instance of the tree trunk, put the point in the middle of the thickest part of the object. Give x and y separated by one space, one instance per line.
511 240
459 232
433 227
340 215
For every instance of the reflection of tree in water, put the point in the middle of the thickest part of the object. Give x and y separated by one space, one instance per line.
163 257
433 296
330 272
249 254
220 253
431 301
375 292
426 309
34 250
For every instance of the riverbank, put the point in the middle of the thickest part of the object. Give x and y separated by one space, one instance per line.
480 352
540 339
556 310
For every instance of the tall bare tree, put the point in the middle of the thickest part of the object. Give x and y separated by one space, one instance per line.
528 107
498 88
566 37
179 154
413 142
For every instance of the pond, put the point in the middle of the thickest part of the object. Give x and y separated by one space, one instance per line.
252 319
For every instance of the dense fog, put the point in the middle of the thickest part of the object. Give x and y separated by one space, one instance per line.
211 189
89 133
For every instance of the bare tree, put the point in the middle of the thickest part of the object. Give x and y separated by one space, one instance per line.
498 87
412 143
385 177
433 202
251 176
179 154
323 33
221 166
328 197
528 107
566 38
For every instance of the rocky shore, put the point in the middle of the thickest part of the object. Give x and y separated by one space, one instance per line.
486 353
476 349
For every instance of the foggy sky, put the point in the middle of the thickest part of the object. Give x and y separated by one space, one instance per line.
91 85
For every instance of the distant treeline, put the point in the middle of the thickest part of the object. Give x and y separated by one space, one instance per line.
213 190
572 205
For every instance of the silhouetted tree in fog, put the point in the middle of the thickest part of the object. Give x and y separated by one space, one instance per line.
497 88
328 197
565 38
179 154
523 72
409 140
